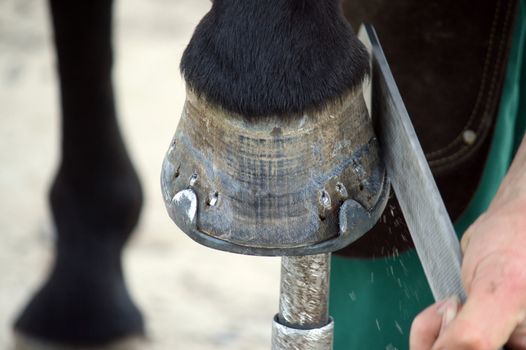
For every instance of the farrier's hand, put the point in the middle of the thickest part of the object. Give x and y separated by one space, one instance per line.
494 276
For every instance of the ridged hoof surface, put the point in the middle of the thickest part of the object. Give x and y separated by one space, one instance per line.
273 186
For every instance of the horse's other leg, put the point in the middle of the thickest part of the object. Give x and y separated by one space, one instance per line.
96 196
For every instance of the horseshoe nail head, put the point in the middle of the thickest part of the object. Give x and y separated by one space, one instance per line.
184 208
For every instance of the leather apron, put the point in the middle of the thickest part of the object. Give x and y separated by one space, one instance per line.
449 59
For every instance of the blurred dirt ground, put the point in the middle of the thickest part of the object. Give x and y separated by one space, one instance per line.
193 297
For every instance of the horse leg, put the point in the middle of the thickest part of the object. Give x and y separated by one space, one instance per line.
95 198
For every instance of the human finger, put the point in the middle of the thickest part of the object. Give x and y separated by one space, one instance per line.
518 339
428 324
492 312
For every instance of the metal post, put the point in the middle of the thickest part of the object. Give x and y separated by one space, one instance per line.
303 322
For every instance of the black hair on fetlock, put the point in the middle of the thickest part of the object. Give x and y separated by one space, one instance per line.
273 57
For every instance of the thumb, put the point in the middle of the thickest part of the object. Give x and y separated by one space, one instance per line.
428 325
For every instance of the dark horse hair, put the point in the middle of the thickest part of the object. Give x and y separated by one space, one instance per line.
273 57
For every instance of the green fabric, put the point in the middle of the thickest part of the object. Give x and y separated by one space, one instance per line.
374 301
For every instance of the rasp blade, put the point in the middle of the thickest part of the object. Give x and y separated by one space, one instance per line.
428 221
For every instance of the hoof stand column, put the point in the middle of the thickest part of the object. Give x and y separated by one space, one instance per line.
303 321
299 187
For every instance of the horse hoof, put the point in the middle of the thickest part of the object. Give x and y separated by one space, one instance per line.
23 342
84 302
274 185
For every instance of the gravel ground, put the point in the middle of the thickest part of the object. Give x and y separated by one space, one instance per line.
193 297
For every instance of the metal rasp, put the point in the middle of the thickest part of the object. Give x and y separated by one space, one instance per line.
427 219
